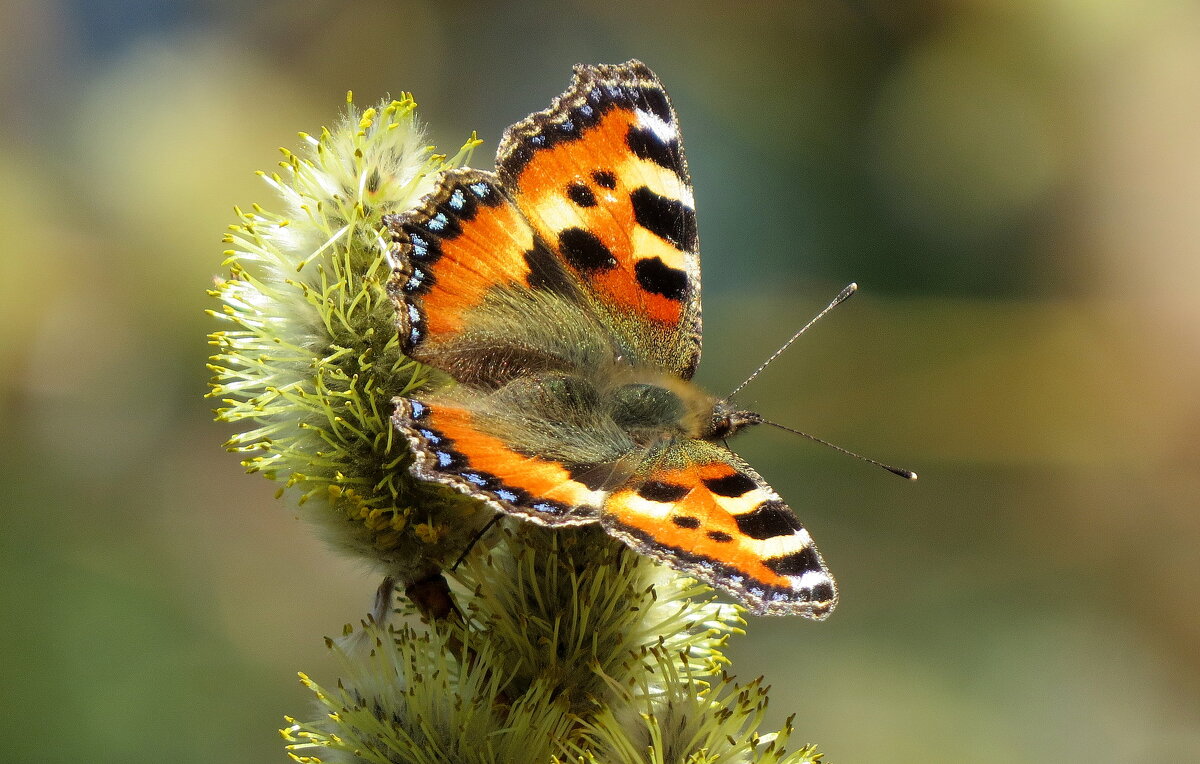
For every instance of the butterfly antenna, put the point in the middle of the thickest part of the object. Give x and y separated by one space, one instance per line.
842 297
475 540
907 474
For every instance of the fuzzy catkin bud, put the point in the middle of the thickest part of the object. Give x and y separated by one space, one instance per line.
311 361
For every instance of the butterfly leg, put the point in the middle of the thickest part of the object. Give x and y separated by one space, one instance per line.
475 540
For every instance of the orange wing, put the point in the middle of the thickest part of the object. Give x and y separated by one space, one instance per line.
466 239
451 448
591 204
708 513
602 178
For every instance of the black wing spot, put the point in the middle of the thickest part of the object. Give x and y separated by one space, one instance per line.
822 592
768 520
797 564
581 194
655 276
734 485
668 219
721 537
656 490
584 250
605 179
686 521
646 145
656 101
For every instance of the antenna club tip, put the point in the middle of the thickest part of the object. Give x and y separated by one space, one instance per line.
906 474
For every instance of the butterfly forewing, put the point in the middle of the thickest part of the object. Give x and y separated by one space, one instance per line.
602 178
465 240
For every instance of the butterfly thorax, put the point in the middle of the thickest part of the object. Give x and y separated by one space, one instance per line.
673 407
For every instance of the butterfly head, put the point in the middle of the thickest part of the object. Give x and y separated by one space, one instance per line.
727 419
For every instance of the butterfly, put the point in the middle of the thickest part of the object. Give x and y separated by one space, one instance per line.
561 292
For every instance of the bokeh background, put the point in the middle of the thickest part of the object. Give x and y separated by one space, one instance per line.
1015 185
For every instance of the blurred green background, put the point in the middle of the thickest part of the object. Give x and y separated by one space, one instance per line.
1015 186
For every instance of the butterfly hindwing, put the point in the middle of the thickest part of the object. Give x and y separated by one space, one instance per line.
707 512
602 179
451 448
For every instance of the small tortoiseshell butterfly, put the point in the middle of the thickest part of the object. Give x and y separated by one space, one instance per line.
562 293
